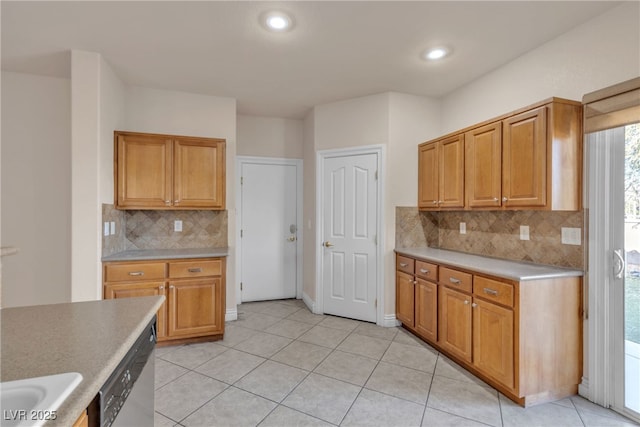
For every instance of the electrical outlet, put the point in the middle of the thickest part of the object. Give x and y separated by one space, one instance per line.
106 228
177 225
524 232
571 236
463 228
113 227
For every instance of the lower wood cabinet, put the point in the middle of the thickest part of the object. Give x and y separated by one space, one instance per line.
522 337
454 316
194 290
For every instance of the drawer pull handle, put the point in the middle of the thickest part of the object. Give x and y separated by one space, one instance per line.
403 264
195 270
424 271
454 280
136 273
490 291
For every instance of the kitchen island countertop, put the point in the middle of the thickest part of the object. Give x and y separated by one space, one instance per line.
513 270
90 338
152 254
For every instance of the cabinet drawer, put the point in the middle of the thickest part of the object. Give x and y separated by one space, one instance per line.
185 269
134 272
405 264
427 271
456 279
492 290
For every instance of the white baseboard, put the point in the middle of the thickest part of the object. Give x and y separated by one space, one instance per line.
231 314
583 388
311 305
390 321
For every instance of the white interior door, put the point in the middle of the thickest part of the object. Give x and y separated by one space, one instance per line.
268 224
350 222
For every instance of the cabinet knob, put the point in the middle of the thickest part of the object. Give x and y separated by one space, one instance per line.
161 288
504 199
435 202
495 199
167 202
176 201
466 302
172 287
415 282
439 201
474 305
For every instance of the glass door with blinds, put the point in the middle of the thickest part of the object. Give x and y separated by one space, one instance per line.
612 144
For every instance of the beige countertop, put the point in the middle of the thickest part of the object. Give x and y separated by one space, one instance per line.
513 270
151 254
86 337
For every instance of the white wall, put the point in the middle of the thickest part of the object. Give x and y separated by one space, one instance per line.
269 137
112 117
36 189
353 122
181 113
412 120
397 121
597 54
86 213
309 210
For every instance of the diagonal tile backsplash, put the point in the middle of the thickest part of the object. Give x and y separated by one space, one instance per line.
141 229
494 233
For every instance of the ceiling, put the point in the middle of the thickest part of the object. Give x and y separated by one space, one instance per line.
336 50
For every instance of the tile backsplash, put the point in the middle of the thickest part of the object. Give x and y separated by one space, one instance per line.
494 233
141 229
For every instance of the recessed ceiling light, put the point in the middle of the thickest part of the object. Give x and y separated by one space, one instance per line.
435 53
277 21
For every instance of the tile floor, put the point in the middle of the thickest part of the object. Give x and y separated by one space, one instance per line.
280 365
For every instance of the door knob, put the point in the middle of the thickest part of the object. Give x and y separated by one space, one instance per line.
292 238
327 244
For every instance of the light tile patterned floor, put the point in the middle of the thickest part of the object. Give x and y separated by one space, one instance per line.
280 365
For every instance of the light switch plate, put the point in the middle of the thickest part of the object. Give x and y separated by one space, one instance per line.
112 227
571 236
463 228
106 228
524 232
177 225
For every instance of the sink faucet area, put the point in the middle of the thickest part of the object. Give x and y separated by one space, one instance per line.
32 401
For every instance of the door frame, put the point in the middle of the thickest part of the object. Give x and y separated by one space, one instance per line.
298 164
321 156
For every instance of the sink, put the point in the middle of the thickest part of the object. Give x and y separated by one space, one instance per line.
31 402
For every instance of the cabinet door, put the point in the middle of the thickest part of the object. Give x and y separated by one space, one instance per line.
405 298
493 351
426 315
483 164
130 290
143 175
451 180
454 323
199 173
195 307
428 176
524 168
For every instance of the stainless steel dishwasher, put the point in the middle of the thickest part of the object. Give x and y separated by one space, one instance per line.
127 397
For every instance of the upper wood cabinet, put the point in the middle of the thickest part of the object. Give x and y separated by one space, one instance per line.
483 163
441 173
527 159
169 172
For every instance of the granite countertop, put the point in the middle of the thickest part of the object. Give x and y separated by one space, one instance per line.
520 271
150 254
86 337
